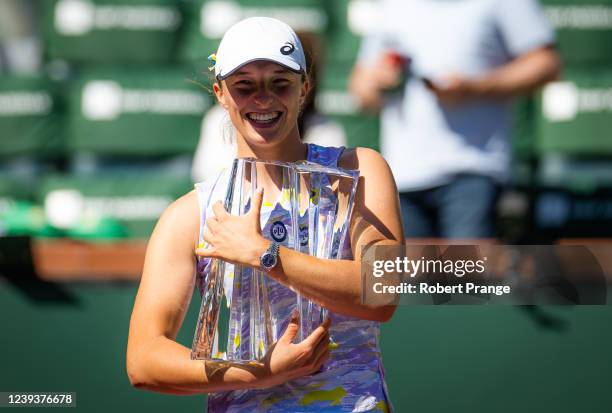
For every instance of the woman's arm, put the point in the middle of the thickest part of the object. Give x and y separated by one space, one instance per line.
335 284
155 361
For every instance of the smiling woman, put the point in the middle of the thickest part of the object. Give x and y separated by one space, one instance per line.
263 100
262 83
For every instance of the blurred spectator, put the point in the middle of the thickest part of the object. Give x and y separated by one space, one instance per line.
20 50
217 147
444 73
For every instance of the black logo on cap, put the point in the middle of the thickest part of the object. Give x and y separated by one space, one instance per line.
287 49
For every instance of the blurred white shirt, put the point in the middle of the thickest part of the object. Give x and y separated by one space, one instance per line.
426 143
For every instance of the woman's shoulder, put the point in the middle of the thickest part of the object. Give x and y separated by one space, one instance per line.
180 220
180 209
362 159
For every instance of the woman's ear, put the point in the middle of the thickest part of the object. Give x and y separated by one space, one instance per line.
304 92
219 95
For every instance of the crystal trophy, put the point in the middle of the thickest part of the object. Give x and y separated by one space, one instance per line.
323 203
306 207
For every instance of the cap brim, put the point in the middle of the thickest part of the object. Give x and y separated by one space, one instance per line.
286 63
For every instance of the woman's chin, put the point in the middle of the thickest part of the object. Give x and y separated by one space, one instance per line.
262 140
264 137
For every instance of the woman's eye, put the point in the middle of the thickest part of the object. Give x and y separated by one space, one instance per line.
243 85
281 83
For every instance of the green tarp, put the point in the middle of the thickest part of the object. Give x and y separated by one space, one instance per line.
460 359
30 117
334 100
208 20
11 191
138 112
103 31
584 29
348 21
575 114
136 202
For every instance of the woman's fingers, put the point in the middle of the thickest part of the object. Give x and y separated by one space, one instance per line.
319 356
208 238
212 224
322 346
313 339
320 359
292 329
208 252
219 210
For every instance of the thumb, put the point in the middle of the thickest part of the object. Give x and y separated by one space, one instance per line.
207 252
257 201
292 328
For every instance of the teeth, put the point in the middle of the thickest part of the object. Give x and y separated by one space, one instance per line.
264 117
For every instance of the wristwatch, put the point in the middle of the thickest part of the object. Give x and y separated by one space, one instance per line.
269 258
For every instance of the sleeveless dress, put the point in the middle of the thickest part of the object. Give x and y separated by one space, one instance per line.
352 380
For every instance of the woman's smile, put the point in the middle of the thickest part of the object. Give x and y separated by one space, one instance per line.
264 120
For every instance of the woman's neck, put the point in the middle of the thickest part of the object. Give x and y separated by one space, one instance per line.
290 149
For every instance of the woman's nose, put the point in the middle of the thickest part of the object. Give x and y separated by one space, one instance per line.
263 97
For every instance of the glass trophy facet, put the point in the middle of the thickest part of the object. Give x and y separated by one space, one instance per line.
306 207
323 204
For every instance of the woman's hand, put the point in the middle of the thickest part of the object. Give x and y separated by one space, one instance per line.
286 361
236 239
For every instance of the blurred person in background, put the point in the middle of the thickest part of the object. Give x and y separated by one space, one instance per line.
20 54
444 72
20 46
217 146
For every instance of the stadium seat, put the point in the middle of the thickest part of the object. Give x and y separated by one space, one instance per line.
144 112
209 19
108 206
574 114
349 21
112 31
334 100
31 117
584 29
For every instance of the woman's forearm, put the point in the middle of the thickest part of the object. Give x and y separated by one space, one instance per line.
163 365
334 284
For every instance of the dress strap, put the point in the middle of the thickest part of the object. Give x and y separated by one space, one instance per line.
324 155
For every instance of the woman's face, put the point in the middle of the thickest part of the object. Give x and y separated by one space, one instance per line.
263 100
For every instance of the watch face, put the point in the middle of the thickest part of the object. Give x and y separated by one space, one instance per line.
268 260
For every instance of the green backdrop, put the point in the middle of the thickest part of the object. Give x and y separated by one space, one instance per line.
112 31
137 112
31 116
574 115
69 337
583 28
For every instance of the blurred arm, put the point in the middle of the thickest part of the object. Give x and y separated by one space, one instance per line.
368 83
522 75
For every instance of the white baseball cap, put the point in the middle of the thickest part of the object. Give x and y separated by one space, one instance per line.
259 38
